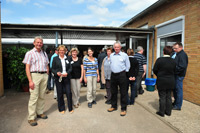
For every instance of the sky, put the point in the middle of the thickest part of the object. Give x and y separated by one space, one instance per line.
72 12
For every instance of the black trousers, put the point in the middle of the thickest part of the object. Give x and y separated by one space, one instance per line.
119 79
138 82
63 87
101 84
165 101
108 89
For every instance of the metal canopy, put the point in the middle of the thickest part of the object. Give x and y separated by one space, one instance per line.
70 32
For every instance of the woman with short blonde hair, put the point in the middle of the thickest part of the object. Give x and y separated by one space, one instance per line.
61 68
77 76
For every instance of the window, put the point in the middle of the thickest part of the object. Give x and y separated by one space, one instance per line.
170 32
168 41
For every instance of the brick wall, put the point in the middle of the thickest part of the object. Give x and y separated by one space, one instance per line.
191 10
1 68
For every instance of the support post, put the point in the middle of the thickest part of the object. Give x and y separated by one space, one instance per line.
56 39
130 42
1 62
147 72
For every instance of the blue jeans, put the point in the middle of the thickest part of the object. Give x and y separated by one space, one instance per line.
178 92
132 84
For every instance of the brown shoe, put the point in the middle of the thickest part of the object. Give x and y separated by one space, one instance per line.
71 111
76 106
43 116
123 113
111 109
62 112
32 122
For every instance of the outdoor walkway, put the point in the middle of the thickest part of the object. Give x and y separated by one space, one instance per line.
140 118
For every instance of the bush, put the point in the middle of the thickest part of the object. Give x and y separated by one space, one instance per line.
15 67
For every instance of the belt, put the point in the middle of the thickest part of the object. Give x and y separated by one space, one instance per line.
39 72
118 72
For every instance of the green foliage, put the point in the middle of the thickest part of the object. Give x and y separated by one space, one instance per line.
15 67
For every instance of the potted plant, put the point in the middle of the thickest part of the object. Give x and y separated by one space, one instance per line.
15 67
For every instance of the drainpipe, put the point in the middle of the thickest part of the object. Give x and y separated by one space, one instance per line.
153 46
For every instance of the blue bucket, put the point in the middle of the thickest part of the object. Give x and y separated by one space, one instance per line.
150 83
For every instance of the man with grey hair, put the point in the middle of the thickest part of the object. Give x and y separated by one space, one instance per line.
142 69
120 64
37 70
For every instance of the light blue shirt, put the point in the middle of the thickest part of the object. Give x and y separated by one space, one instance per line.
119 62
51 61
174 55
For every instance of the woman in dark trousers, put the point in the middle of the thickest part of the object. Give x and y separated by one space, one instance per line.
131 76
164 69
61 68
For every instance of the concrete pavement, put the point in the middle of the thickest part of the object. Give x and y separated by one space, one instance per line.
140 117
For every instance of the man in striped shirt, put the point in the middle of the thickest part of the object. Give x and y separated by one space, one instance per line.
142 69
37 70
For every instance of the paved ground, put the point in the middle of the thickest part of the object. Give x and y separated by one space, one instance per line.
140 117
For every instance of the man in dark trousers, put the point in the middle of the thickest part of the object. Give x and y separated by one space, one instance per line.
120 64
181 60
142 69
101 56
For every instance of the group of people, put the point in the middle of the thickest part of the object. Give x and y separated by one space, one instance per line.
117 69
170 71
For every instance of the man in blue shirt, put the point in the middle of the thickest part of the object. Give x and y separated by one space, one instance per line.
120 64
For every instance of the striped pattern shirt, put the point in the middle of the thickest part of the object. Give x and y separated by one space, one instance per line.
90 67
141 60
38 60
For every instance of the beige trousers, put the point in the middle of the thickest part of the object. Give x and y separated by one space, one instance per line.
91 88
36 101
75 88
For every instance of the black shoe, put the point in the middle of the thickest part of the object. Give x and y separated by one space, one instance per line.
168 114
90 105
160 114
176 108
141 92
43 116
108 102
94 102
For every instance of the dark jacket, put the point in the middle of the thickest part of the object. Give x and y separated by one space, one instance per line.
57 66
164 69
181 60
100 58
133 71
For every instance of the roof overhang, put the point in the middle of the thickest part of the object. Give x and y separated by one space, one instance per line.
70 32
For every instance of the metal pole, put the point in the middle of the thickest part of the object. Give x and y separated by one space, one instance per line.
130 42
56 39
61 37
147 72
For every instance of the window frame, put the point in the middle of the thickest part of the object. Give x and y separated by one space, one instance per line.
182 32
